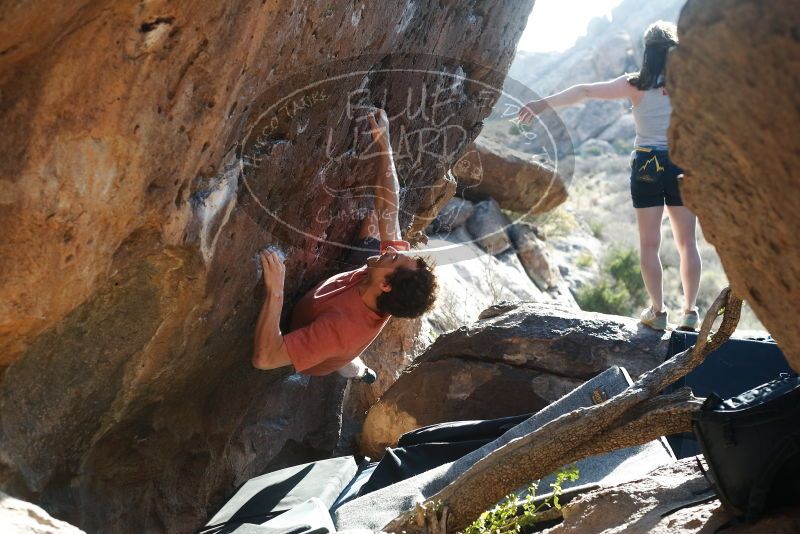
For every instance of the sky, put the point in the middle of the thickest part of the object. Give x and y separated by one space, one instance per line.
554 25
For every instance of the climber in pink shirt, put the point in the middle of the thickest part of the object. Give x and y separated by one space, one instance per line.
341 316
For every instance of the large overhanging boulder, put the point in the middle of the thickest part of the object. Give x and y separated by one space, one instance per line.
517 181
148 153
517 359
736 106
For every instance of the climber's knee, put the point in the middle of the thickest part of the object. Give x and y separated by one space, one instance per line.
369 226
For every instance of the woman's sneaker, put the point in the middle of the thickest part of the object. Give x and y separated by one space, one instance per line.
689 321
656 321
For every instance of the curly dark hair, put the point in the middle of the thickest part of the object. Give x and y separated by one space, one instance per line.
413 291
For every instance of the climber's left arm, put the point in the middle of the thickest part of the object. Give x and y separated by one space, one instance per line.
387 187
270 351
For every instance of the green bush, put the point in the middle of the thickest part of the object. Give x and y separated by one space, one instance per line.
554 223
596 228
623 147
585 259
620 290
623 266
604 297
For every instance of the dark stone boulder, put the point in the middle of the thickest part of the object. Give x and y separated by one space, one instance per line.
488 224
517 358
534 256
452 216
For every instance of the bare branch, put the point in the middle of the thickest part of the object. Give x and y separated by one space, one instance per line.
630 418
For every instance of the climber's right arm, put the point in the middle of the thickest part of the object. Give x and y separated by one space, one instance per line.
270 351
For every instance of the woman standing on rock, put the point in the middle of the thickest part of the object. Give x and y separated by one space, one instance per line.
654 178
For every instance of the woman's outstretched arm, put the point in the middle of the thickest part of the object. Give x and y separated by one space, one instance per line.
610 90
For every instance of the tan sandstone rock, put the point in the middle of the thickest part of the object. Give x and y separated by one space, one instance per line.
534 255
652 505
149 151
517 181
736 105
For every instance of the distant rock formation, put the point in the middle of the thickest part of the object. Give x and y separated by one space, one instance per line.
741 184
149 151
516 359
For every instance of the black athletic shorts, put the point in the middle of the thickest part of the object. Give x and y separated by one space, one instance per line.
654 179
361 250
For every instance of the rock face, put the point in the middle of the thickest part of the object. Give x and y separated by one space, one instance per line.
743 186
488 224
517 359
534 256
454 214
20 517
149 151
517 181
637 507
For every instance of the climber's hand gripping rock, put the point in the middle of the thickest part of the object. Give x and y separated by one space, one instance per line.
274 273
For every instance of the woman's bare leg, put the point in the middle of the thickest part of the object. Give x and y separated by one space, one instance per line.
649 220
684 224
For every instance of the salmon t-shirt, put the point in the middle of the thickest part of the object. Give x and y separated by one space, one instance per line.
331 325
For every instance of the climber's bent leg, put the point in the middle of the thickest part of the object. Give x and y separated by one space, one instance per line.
368 243
369 227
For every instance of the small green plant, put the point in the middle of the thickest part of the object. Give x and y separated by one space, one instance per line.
432 336
623 266
514 514
604 297
596 227
593 151
622 146
585 259
620 290
555 223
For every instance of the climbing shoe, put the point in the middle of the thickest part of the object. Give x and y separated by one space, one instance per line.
656 321
368 376
689 320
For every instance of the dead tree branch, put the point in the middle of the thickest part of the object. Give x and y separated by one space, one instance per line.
631 418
